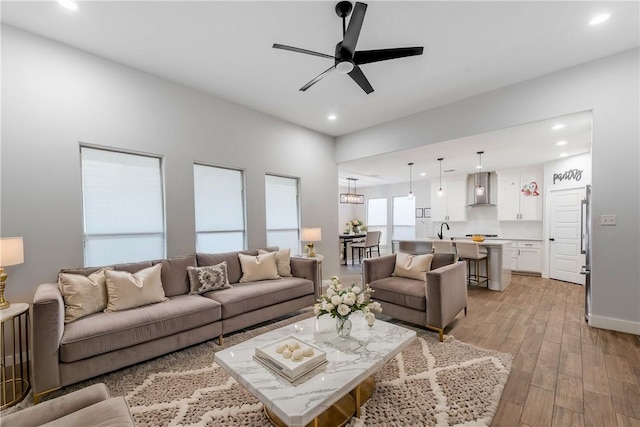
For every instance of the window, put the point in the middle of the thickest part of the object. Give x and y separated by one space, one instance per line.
219 207
281 197
377 217
404 223
123 207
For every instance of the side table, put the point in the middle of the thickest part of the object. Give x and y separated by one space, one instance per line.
318 258
14 378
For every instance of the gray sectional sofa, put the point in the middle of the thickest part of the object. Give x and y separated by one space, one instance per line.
64 354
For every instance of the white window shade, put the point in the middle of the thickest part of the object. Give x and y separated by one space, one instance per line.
123 207
404 223
219 209
281 199
377 217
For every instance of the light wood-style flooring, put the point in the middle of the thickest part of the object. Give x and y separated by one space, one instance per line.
564 372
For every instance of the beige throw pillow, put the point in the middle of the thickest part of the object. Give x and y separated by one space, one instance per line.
126 290
82 295
412 266
261 267
283 261
208 278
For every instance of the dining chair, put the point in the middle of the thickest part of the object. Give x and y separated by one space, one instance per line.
371 240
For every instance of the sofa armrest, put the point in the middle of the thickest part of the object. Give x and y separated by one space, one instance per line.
47 325
53 409
307 268
446 293
378 268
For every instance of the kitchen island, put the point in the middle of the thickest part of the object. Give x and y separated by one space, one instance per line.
499 257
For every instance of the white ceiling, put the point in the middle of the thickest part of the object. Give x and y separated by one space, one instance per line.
224 48
514 147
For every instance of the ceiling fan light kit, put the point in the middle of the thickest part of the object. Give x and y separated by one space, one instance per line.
346 59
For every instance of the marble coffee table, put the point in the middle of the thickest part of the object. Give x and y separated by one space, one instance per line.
334 392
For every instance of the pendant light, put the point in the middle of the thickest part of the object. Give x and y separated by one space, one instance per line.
440 191
410 196
349 197
479 187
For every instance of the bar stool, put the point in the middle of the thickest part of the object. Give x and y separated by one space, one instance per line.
472 253
445 247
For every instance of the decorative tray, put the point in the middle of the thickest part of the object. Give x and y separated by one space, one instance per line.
290 369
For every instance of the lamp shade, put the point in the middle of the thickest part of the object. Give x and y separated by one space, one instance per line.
311 234
11 251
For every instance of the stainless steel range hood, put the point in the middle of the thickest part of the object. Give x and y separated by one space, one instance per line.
481 178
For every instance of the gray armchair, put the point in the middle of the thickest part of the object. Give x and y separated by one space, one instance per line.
432 303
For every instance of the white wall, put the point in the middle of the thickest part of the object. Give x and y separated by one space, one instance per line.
608 87
54 97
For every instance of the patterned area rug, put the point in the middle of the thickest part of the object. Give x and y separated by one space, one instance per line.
429 383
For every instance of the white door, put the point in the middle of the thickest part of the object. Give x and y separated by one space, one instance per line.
565 233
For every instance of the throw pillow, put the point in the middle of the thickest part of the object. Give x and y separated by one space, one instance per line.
261 267
412 266
82 295
208 278
129 290
283 261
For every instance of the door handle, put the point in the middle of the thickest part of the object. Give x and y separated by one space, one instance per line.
551 239
584 270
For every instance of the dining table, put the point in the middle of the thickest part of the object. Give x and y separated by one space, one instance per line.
344 241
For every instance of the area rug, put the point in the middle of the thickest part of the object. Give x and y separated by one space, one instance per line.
429 383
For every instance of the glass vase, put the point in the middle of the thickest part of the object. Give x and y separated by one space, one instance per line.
343 326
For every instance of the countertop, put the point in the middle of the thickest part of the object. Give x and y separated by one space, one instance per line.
487 242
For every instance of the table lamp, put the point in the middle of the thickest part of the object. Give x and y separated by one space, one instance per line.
11 253
311 235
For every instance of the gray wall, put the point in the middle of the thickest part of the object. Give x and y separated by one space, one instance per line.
54 97
609 88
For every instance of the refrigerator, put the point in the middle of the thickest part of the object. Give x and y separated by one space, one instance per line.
585 248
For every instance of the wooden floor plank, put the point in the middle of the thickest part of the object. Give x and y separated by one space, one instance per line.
598 410
563 417
569 393
538 408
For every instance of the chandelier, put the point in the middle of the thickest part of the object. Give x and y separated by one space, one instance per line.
349 197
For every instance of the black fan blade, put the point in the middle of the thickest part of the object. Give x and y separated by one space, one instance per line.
358 76
377 55
353 31
297 49
318 78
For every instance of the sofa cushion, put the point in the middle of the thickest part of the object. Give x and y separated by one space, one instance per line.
234 270
412 266
283 260
208 278
401 291
133 267
175 279
259 267
129 290
104 332
246 297
83 295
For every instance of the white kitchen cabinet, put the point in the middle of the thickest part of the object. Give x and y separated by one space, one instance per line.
520 196
526 256
452 205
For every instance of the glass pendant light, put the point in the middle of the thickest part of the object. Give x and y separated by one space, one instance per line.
440 191
410 196
479 187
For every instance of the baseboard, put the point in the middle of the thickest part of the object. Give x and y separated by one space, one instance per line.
614 324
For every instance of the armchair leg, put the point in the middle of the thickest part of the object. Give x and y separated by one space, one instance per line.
438 330
38 396
221 340
465 312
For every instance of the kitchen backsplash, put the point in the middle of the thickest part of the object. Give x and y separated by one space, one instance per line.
483 220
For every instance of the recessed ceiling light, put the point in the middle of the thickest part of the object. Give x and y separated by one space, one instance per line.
599 19
478 166
69 4
558 126
423 174
563 155
449 170
332 117
561 143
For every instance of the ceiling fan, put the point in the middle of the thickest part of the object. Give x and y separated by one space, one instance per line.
347 58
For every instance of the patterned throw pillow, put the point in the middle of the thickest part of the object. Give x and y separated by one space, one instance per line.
208 278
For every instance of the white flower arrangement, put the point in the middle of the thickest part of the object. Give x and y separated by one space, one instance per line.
341 302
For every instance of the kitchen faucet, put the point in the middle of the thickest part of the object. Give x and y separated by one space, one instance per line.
440 233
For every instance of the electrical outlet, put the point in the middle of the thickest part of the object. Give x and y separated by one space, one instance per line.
607 220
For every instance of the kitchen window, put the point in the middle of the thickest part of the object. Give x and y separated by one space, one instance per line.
282 211
219 209
377 217
404 222
123 207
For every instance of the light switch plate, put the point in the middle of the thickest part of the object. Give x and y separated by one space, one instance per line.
607 220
